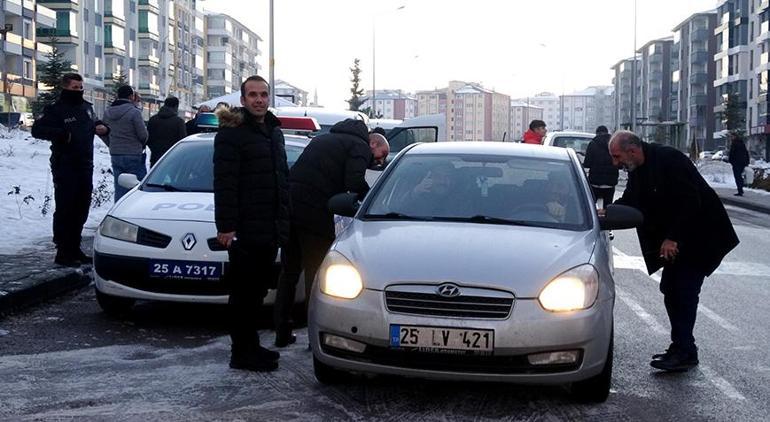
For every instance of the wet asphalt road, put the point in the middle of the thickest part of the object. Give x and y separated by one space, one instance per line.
65 360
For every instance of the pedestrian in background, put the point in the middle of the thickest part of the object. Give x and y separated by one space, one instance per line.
127 139
536 133
165 129
602 174
739 159
332 163
251 202
70 124
686 231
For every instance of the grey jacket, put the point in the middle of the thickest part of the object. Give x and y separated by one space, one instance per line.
128 134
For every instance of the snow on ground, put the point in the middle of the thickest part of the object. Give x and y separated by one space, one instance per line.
719 174
27 200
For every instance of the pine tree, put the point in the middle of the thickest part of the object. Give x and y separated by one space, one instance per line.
50 73
734 115
119 80
355 100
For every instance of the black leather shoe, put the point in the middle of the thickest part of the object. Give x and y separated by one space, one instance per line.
283 339
738 194
252 362
66 261
665 354
676 362
267 353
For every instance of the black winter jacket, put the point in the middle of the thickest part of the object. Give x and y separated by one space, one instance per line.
599 162
332 163
165 128
739 155
678 205
251 194
71 128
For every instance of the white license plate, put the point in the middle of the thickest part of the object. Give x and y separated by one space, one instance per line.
185 270
441 338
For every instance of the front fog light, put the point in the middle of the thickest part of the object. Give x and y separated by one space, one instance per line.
344 343
554 358
339 278
573 290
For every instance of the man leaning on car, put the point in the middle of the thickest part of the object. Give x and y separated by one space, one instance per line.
251 201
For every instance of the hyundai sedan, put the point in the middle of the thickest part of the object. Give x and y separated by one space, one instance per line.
471 261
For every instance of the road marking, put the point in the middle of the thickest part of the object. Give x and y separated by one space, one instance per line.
641 313
722 384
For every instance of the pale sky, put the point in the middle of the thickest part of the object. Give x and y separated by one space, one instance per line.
517 47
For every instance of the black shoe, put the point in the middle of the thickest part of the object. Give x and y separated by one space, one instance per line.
738 194
676 362
252 362
267 354
83 258
66 260
665 354
284 338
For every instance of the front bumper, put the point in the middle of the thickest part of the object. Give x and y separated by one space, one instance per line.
529 329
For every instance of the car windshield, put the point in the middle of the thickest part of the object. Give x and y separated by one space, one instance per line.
189 167
482 189
579 144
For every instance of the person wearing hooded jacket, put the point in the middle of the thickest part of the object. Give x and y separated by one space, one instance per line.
127 139
165 129
332 163
602 174
70 124
536 133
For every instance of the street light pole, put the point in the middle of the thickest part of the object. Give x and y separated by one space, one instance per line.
633 79
374 57
272 57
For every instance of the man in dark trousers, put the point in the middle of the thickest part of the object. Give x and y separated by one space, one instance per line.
686 231
70 124
165 129
739 159
602 174
332 163
251 202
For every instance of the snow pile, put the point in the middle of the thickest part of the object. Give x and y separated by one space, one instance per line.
717 173
27 199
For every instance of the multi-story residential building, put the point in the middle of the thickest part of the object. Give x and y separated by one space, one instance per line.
622 82
758 119
232 54
291 93
585 110
20 51
521 114
552 108
392 104
188 77
431 102
692 78
732 59
655 85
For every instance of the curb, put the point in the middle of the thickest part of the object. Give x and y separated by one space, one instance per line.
745 204
43 290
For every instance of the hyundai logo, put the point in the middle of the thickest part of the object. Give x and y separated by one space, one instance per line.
448 290
188 241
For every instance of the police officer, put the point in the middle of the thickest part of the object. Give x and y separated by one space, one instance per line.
70 125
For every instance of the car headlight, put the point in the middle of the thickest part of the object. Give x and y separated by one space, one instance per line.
118 229
339 278
573 290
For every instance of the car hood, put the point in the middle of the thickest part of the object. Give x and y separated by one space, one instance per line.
188 206
521 260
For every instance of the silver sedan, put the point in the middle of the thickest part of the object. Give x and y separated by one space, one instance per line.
472 261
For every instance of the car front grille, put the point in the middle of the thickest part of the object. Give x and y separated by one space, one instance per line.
473 305
151 238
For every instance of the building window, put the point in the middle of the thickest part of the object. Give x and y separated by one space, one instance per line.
27 71
27 28
132 6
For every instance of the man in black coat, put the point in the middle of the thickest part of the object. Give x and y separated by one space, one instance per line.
165 129
251 202
739 159
332 163
602 174
686 231
70 124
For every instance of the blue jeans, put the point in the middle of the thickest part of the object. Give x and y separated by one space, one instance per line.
128 163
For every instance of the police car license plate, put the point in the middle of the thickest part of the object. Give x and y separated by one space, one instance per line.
185 270
438 339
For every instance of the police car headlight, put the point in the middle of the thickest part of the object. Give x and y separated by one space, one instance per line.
339 278
118 229
573 290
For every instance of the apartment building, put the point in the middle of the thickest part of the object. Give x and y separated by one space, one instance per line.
291 93
623 85
585 110
392 104
521 114
233 54
20 51
655 86
431 102
552 108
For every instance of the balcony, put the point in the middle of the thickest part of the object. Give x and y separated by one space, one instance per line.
109 48
700 57
63 36
699 78
150 6
150 61
149 89
14 7
13 44
46 18
699 100
701 34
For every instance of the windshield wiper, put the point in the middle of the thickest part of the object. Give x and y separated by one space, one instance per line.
165 186
398 216
479 218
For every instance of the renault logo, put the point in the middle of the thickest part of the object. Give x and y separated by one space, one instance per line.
448 290
188 241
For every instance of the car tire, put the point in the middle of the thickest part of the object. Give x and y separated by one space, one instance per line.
597 388
114 305
325 374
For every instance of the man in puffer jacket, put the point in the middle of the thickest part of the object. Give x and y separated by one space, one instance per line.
165 128
127 138
602 175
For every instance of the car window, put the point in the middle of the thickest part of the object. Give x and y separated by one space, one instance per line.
525 190
399 138
579 144
292 154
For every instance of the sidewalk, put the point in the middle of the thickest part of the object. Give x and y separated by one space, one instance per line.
759 202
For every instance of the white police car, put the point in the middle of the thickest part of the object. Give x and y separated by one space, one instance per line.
158 242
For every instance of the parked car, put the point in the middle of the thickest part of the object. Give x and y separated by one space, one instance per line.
720 155
576 140
509 278
705 155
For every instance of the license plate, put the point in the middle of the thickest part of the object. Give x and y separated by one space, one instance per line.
185 270
440 339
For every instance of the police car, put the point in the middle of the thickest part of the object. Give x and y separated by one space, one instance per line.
158 242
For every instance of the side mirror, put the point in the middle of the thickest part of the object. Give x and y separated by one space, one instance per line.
344 204
620 217
128 180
